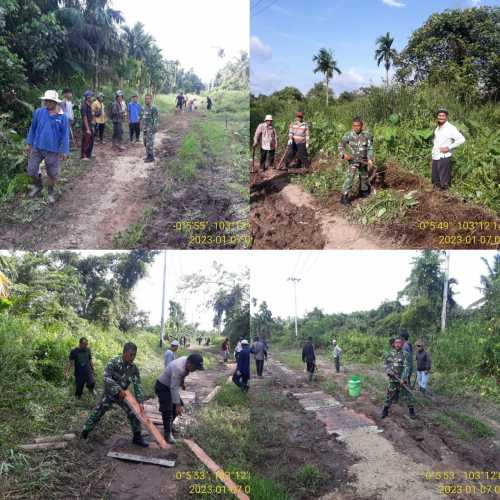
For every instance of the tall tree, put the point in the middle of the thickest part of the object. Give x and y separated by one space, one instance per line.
326 64
385 53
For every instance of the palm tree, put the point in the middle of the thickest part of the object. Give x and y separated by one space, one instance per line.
385 53
326 64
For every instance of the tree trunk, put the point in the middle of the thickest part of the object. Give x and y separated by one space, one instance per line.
327 81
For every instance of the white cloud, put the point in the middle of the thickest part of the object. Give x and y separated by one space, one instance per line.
475 3
259 49
263 81
394 3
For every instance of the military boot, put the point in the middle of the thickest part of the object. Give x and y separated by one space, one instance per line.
51 197
345 200
366 193
411 411
385 412
139 440
167 430
149 159
84 434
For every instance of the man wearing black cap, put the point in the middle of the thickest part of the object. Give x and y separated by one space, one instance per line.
168 388
87 117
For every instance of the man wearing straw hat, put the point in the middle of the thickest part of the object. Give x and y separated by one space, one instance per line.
48 138
266 137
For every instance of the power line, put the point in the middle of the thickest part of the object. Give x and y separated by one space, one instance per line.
264 8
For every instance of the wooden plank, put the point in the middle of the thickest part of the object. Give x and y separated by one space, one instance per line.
218 471
44 446
140 458
212 394
134 406
51 439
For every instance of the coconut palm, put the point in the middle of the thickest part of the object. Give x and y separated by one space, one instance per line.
385 53
326 64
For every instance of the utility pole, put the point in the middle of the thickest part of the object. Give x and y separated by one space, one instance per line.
295 281
162 324
445 292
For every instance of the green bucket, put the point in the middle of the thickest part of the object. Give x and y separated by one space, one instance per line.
354 386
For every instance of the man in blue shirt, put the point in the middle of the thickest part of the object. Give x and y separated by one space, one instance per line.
242 374
48 138
170 353
134 118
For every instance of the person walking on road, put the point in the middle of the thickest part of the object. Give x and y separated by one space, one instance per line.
67 108
168 387
397 368
48 138
151 118
309 357
134 118
241 375
237 349
337 352
81 358
118 115
446 138
298 141
170 353
179 101
225 350
87 132
259 350
267 138
357 148
99 117
119 373
423 366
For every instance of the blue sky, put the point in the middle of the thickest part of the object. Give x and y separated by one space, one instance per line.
285 34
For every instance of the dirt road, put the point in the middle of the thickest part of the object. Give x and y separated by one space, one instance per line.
284 215
358 455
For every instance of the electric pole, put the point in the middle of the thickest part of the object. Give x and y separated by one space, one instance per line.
445 292
295 281
162 324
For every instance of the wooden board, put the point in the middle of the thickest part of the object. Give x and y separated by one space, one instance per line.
212 394
44 446
51 439
218 471
139 458
134 406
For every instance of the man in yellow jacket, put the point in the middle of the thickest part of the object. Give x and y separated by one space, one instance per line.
99 113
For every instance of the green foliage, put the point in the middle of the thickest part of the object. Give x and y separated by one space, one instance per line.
266 489
234 75
309 477
462 44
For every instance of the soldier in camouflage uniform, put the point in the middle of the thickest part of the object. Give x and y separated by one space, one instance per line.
150 118
397 366
119 373
360 157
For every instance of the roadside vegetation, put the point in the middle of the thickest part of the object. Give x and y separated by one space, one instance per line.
401 113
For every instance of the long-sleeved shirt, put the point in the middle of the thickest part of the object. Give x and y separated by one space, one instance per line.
308 353
266 136
298 132
49 132
169 357
134 112
259 350
398 363
173 377
446 136
243 364
118 111
423 361
99 112
360 146
118 375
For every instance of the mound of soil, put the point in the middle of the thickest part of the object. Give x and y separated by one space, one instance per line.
278 224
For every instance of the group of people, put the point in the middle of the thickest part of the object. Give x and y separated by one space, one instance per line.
183 101
399 365
120 373
356 147
52 127
242 352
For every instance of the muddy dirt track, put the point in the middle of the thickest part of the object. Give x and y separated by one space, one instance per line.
385 461
284 215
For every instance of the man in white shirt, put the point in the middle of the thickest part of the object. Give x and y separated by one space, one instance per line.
67 108
170 353
337 351
168 387
446 138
